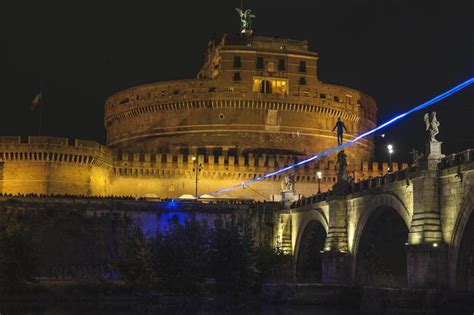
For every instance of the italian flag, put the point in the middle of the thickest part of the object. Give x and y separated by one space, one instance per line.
36 101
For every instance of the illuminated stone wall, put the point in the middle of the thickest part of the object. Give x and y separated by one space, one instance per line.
172 175
48 165
435 204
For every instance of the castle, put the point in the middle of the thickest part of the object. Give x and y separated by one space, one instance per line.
256 105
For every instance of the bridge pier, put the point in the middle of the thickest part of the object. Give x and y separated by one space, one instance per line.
427 266
426 251
336 256
411 228
336 268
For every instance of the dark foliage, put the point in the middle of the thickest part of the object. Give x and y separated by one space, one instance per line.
136 262
273 264
232 258
185 257
181 258
17 257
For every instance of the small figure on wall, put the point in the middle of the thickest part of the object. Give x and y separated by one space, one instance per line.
340 130
342 163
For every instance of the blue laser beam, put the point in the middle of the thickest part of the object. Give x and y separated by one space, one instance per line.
426 104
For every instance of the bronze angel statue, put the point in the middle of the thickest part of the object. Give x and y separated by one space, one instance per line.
246 17
432 125
342 162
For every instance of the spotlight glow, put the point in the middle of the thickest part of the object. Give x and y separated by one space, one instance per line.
428 103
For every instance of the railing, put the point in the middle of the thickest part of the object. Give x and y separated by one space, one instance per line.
456 159
368 184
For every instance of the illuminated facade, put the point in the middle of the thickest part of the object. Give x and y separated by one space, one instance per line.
256 105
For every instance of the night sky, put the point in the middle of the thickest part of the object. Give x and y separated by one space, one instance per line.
400 52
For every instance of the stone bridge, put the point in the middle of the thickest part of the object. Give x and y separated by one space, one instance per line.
412 228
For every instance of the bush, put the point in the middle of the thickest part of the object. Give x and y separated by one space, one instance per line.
136 263
182 257
17 257
179 260
273 264
233 259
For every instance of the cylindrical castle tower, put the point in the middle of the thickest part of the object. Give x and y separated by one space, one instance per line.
253 95
256 106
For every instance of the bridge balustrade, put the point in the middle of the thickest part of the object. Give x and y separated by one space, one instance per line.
457 159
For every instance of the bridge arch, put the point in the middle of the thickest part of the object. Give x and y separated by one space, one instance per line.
312 229
462 253
380 236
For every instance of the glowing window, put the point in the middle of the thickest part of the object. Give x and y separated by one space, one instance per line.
270 86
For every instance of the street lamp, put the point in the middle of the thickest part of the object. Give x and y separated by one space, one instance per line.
390 151
196 169
320 175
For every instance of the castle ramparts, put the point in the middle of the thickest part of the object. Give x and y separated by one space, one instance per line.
49 165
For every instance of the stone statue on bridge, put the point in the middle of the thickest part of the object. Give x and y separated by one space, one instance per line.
432 125
288 183
433 154
342 163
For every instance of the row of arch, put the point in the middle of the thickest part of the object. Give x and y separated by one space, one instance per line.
244 104
379 256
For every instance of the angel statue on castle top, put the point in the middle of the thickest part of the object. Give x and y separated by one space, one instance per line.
246 17
432 125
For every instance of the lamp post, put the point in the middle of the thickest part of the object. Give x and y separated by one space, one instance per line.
196 170
390 151
319 174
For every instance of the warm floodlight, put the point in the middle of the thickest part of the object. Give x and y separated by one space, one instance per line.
424 105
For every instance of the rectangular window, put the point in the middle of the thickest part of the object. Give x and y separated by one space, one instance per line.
323 96
302 66
237 62
260 63
302 80
336 98
281 65
237 76
270 86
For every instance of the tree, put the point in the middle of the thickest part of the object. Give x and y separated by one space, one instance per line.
135 263
17 257
182 257
273 264
232 258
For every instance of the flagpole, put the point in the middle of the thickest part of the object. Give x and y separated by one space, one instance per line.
41 105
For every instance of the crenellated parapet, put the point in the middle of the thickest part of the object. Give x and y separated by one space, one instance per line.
239 167
88 168
52 165
54 149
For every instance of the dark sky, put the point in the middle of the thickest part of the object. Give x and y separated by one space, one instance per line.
400 52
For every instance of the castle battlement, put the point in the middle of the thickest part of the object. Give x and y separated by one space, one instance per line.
55 149
241 167
57 165
255 106
253 93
